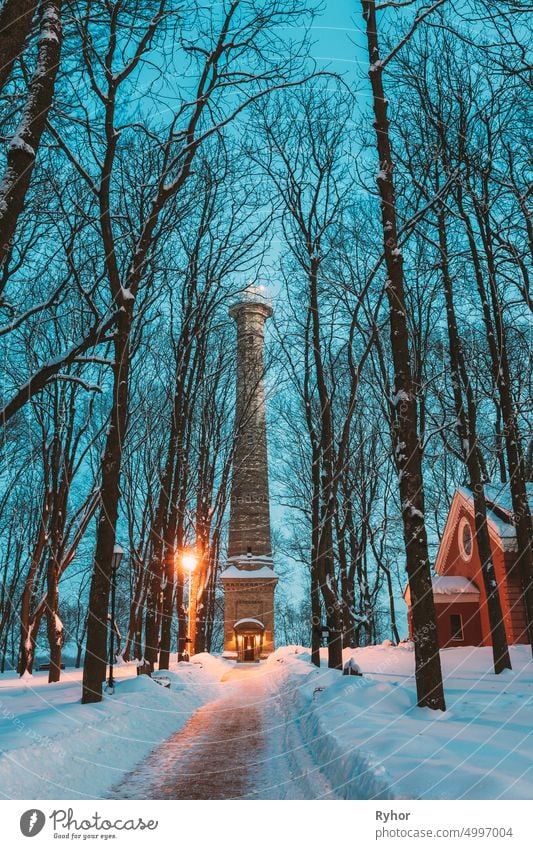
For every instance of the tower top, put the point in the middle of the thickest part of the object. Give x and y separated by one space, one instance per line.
252 296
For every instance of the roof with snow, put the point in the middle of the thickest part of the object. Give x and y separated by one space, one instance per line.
499 507
251 559
499 495
453 585
449 585
233 573
253 294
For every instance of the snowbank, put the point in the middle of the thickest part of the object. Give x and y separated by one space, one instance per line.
373 742
53 747
364 735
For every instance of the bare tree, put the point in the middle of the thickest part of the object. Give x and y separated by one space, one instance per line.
407 443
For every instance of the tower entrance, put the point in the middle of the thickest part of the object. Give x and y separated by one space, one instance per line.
249 640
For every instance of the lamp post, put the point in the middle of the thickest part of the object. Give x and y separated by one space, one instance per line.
189 561
115 563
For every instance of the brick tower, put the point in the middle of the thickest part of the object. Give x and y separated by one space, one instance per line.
249 579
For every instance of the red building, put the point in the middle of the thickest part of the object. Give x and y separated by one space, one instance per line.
458 591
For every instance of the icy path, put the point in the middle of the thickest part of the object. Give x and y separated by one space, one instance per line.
247 744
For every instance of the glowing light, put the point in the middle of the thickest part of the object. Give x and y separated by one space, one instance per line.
189 561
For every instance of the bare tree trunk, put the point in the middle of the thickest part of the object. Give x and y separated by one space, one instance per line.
316 610
204 499
79 645
173 545
22 150
94 668
405 434
346 586
15 25
211 598
135 611
26 649
158 581
177 529
160 544
54 625
174 528
167 611
392 604
499 444
529 462
327 500
174 536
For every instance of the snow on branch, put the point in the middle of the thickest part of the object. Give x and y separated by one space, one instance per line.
40 378
73 378
20 319
394 5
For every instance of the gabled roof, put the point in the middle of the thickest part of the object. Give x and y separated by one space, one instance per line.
499 518
498 496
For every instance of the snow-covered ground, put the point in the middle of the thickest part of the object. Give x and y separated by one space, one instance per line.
374 743
319 734
53 747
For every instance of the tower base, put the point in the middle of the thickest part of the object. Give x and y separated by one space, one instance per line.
249 612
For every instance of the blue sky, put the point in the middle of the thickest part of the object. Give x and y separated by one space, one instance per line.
334 32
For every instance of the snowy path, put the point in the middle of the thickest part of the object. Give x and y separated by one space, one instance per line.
247 744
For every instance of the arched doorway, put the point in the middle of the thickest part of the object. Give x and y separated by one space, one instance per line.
249 640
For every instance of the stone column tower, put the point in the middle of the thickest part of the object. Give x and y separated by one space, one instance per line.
249 580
